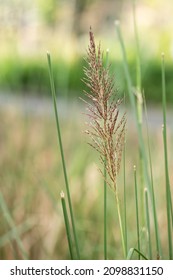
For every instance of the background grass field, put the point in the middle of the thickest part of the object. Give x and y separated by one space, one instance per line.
32 178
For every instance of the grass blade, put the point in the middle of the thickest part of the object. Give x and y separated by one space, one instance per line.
120 223
148 225
67 225
105 189
137 211
12 225
125 200
62 152
10 235
151 169
140 135
168 189
105 213
132 251
139 105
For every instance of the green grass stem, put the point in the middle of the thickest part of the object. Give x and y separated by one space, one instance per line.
105 187
138 66
12 225
120 223
139 104
125 200
10 235
140 135
150 163
168 189
148 224
137 211
67 225
105 213
132 251
52 84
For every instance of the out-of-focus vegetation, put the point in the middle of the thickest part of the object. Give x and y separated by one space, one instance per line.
30 28
30 76
32 179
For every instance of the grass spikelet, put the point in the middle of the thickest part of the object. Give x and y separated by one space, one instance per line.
107 133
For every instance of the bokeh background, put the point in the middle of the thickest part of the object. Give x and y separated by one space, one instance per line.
31 28
31 175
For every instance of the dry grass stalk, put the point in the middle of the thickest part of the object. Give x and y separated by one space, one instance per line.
106 131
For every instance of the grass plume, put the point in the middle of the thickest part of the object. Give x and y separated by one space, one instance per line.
105 130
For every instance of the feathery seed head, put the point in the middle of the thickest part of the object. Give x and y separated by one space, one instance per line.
107 133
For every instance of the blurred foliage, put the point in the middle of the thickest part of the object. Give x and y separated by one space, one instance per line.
30 27
32 179
30 76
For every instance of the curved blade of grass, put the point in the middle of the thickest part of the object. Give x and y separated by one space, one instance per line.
10 235
138 66
125 200
168 189
139 104
148 224
67 225
12 225
105 212
52 84
140 136
137 212
149 156
132 251
120 223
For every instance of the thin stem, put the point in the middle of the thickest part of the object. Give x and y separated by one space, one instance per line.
12 225
131 252
138 60
148 225
140 135
125 200
120 223
62 153
67 225
105 185
105 212
137 210
139 104
168 189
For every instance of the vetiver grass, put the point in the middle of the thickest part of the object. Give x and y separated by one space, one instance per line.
127 244
102 104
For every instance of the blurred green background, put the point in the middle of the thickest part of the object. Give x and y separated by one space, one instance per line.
29 28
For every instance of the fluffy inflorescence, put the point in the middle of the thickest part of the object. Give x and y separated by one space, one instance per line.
105 130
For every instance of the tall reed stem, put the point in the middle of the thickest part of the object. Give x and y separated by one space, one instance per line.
52 84
120 223
125 200
139 104
105 213
67 224
137 210
140 135
168 189
148 225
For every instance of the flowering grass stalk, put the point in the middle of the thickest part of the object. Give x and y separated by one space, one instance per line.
107 133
